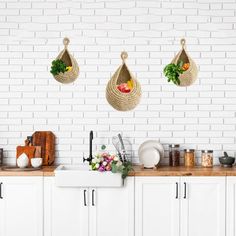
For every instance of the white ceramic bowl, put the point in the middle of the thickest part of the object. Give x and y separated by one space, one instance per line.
36 162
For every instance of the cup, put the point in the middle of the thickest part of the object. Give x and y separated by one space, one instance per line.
36 162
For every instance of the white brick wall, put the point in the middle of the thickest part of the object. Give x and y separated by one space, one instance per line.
201 116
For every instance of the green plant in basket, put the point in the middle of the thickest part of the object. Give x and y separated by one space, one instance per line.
172 72
58 66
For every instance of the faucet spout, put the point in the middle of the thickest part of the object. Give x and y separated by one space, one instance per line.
90 158
91 145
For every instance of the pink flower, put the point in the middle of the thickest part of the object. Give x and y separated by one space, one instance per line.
105 154
101 168
108 167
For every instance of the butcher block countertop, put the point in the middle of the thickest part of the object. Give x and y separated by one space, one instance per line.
184 171
45 171
139 171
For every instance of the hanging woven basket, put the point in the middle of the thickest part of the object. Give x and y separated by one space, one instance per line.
190 75
71 75
123 101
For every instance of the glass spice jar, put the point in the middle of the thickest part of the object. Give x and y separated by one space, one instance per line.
1 156
207 158
174 155
189 157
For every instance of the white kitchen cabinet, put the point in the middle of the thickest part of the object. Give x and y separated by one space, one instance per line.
174 206
112 210
157 206
65 210
203 206
21 206
88 211
231 206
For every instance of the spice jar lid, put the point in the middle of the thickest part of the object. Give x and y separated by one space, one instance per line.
174 145
207 151
189 150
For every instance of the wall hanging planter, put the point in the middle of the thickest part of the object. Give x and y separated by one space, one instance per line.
65 68
123 91
182 71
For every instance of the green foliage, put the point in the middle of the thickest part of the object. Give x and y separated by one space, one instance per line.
57 67
124 169
172 72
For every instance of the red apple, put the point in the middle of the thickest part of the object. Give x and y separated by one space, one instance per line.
123 88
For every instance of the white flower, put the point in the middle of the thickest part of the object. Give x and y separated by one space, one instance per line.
97 166
116 158
94 160
104 163
119 163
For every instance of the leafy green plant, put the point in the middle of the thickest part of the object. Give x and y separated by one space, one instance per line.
173 71
124 169
58 66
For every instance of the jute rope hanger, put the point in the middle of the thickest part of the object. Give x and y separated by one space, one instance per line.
118 100
69 60
66 42
189 76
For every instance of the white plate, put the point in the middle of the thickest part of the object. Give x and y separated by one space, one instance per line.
149 158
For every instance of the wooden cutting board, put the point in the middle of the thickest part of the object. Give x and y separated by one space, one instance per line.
45 139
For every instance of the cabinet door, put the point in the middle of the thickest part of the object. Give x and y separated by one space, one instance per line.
157 206
203 206
21 206
231 206
65 210
112 210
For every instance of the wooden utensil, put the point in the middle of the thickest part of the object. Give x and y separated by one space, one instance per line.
45 139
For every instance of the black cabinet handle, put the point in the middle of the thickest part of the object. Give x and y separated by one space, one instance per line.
177 190
85 202
93 204
185 190
1 191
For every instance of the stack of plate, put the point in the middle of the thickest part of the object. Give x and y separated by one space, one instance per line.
150 153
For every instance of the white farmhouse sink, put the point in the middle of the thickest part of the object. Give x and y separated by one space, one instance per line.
82 176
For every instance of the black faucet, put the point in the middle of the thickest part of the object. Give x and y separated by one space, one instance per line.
89 159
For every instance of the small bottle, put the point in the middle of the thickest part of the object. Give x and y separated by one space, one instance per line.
1 156
207 158
189 157
174 155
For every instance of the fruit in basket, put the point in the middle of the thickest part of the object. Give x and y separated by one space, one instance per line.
124 88
185 66
68 68
130 83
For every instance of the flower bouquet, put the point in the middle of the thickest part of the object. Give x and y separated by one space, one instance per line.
107 162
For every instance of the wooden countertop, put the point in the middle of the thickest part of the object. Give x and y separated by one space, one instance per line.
138 171
45 171
183 171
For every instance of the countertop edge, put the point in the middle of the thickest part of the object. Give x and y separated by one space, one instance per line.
48 171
